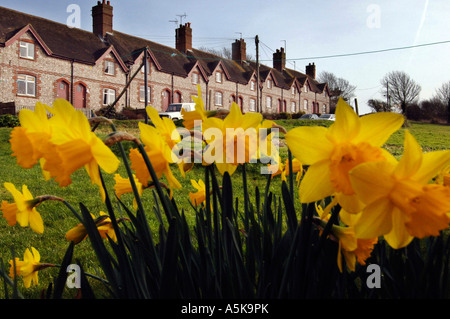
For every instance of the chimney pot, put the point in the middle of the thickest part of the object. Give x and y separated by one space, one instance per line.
102 18
239 51
183 38
311 70
279 60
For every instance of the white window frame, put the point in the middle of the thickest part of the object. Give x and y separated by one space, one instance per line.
110 67
306 89
143 67
29 85
293 107
109 96
142 93
252 105
218 98
269 102
269 83
305 104
252 85
195 78
219 77
29 50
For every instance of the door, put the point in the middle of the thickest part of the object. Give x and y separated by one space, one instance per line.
165 100
177 97
62 92
79 96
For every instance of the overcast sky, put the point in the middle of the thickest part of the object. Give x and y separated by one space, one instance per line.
310 31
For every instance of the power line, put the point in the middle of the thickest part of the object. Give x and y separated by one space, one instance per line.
370 52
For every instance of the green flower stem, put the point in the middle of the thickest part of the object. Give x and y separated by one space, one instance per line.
291 177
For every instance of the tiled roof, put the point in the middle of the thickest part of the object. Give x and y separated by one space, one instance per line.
70 43
84 46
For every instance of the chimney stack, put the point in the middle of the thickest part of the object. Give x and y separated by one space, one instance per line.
183 38
239 51
311 70
279 60
102 18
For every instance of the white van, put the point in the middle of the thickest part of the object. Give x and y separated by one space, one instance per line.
174 110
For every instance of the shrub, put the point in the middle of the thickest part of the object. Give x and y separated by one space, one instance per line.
8 120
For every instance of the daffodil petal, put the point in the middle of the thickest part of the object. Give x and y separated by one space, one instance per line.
398 237
309 144
378 127
372 180
316 183
432 163
347 124
375 219
411 159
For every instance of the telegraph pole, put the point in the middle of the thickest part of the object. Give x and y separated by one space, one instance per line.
145 83
258 104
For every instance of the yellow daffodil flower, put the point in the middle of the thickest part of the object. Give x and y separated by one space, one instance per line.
160 155
76 146
400 204
351 248
199 114
123 186
28 268
31 139
23 209
332 152
235 145
104 226
165 127
200 196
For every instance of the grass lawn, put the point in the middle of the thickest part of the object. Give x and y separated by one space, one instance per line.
58 219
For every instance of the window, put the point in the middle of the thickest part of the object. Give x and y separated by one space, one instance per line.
269 102
142 94
324 109
252 85
306 88
218 77
218 98
143 67
195 78
26 85
110 67
252 105
293 107
305 103
269 84
109 95
293 90
27 50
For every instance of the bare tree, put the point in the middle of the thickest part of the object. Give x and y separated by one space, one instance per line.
379 106
443 93
338 87
225 53
400 89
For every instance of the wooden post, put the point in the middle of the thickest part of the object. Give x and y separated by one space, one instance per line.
258 104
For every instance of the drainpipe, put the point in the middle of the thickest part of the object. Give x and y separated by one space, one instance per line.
71 81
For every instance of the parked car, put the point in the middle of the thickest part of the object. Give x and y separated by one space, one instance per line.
309 117
330 117
174 110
